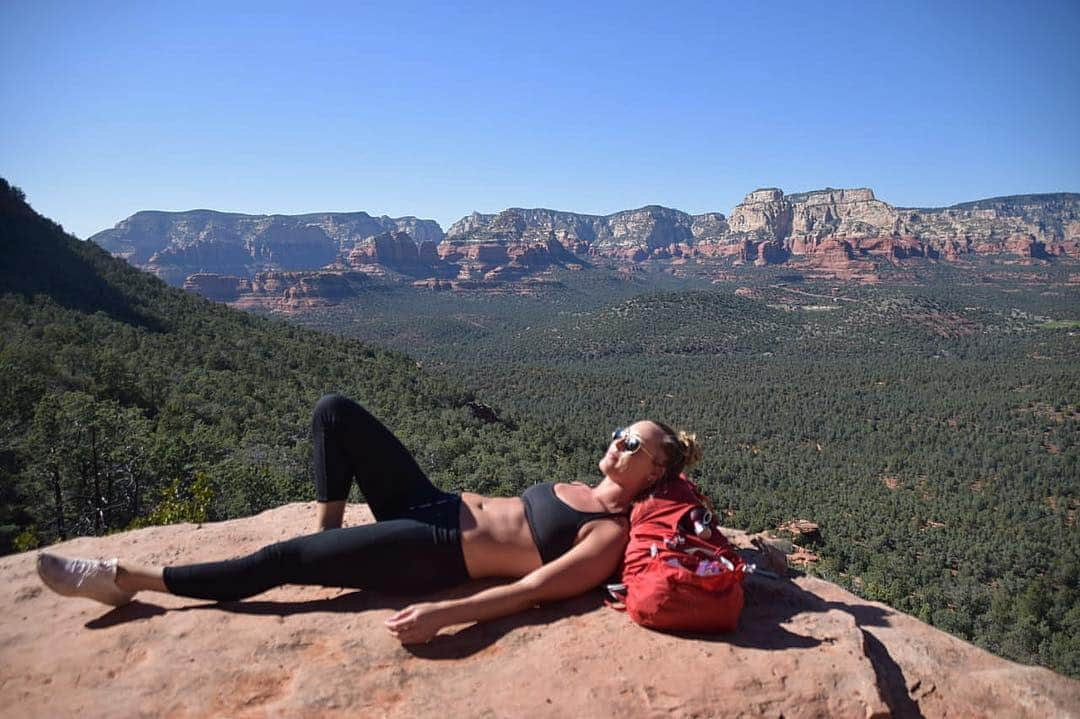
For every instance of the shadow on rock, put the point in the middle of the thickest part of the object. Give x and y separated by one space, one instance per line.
351 602
466 642
772 602
463 643
127 613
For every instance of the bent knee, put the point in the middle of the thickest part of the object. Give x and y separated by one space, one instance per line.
337 408
330 404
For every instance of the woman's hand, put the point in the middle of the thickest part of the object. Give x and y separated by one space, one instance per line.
586 565
416 623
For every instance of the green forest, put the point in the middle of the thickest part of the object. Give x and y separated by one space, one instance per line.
930 430
127 402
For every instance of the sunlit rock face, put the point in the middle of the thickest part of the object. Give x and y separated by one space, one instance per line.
989 226
515 242
631 235
469 223
515 223
847 232
712 236
291 292
764 213
395 250
892 247
803 220
174 245
283 292
851 213
647 232
803 648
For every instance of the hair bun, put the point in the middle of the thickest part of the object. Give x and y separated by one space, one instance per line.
691 449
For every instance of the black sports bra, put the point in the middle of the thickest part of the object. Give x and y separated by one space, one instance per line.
554 523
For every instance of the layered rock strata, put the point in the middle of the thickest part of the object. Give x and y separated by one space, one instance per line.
833 230
397 251
281 292
840 233
174 245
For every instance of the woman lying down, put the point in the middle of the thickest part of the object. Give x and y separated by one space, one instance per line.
557 540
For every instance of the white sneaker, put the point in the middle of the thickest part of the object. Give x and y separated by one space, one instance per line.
90 578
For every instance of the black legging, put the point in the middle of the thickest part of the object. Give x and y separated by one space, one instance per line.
414 547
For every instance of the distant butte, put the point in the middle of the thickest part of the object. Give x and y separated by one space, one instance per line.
846 234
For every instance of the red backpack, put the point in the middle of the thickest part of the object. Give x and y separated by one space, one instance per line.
677 575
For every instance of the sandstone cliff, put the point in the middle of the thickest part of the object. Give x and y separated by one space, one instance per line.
634 235
397 251
804 648
281 292
1026 226
769 227
838 233
174 245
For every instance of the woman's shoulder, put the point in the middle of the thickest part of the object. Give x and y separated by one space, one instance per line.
612 532
616 523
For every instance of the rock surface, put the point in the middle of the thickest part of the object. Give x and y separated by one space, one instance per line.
804 648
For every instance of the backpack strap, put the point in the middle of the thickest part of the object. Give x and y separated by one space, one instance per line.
699 494
618 593
689 484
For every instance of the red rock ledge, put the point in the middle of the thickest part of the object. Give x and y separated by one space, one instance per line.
805 648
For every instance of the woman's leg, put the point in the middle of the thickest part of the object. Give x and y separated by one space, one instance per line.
351 443
398 555
422 553
138 578
404 556
329 515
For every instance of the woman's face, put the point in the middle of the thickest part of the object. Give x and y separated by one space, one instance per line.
635 468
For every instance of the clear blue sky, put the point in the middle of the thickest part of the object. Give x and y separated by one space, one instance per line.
438 109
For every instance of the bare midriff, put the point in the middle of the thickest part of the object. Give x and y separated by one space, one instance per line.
495 537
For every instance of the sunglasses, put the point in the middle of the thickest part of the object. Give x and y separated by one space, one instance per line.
631 442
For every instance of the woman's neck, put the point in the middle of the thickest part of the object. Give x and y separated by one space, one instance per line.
614 497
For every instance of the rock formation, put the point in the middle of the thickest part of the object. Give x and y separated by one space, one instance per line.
804 648
650 232
221 288
804 529
840 233
852 213
174 245
984 226
509 247
837 230
632 235
394 250
282 292
802 225
764 214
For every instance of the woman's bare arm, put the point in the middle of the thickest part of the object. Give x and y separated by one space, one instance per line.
586 565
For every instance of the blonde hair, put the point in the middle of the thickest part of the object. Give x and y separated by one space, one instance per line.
681 449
